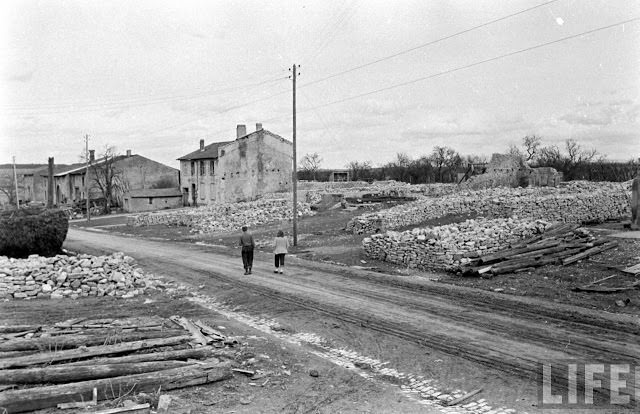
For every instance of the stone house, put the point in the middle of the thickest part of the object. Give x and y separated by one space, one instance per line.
149 199
137 172
253 164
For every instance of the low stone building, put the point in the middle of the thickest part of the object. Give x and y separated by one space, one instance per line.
505 170
150 199
135 172
253 164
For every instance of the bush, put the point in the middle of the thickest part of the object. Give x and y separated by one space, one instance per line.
32 231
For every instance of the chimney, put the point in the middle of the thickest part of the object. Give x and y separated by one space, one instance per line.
241 131
202 145
92 155
258 127
128 153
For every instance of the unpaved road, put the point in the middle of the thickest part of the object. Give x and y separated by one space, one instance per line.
509 334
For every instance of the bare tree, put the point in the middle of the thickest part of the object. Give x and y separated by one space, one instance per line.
108 178
359 169
310 163
8 187
445 158
531 145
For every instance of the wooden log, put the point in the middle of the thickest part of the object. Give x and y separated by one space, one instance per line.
12 354
504 254
204 352
548 250
589 252
60 374
189 326
18 328
73 341
31 399
602 289
88 352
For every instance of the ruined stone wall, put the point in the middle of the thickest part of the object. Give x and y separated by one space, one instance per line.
577 202
71 277
449 246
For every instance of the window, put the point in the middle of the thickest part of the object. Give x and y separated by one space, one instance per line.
202 168
212 165
193 168
150 200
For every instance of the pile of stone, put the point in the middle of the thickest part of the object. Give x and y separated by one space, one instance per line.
224 217
72 277
435 189
577 203
450 246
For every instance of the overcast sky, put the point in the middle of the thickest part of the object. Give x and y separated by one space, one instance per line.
157 76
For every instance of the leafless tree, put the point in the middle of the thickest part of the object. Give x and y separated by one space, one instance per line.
311 164
8 187
108 178
445 158
359 169
531 145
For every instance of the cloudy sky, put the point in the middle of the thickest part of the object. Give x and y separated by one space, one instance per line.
377 77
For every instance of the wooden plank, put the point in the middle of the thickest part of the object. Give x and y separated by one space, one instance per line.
464 397
590 252
207 330
60 374
31 399
88 352
189 326
17 328
132 409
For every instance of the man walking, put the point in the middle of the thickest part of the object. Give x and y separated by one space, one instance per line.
247 245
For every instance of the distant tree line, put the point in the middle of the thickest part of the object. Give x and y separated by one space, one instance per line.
443 164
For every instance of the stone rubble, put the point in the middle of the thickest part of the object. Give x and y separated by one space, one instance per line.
576 202
223 217
63 276
449 246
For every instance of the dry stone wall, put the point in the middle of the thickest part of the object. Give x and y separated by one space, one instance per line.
63 276
223 217
577 202
448 247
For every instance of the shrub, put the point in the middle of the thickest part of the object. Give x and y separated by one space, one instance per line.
32 231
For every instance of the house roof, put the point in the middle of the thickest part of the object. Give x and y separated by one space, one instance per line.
155 192
210 151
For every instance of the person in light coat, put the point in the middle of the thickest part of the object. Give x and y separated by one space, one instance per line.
281 244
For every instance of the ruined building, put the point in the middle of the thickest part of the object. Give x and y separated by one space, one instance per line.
253 164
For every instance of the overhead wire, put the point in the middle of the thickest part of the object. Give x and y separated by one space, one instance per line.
433 42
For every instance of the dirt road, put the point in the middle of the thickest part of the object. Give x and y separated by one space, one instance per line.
508 334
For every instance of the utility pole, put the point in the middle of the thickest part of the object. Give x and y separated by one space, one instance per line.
15 181
294 179
86 174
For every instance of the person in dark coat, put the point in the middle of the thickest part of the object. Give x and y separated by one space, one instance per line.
247 244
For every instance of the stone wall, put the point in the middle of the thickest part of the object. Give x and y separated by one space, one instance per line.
71 277
224 217
449 246
576 202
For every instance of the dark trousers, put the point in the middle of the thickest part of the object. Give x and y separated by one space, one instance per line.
247 258
279 259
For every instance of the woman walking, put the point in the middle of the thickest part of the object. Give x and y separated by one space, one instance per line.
281 244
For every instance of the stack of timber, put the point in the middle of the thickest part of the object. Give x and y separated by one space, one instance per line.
562 243
79 362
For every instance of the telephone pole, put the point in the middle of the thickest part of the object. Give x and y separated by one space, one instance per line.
15 181
294 179
86 174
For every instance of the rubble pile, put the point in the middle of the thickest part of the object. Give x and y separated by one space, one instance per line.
578 203
224 217
435 189
450 246
71 277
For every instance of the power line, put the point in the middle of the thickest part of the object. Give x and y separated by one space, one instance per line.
404 52
59 108
475 64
